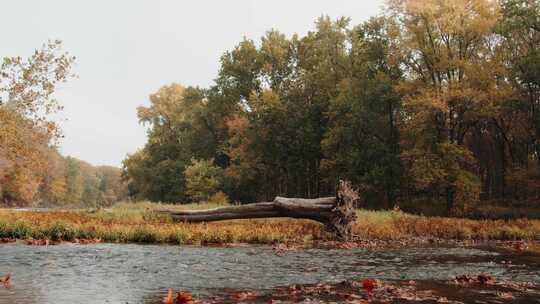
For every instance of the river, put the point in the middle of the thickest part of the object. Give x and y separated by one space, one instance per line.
129 273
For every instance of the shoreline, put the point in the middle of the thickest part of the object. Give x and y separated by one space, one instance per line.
138 223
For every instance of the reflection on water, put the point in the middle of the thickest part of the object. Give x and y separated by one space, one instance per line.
112 273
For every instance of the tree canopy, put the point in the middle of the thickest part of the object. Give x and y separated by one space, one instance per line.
431 101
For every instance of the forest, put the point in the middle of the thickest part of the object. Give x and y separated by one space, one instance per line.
430 104
395 160
32 171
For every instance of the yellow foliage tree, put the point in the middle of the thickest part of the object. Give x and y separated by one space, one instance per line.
446 48
26 103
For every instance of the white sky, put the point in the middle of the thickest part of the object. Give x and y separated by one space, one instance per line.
127 49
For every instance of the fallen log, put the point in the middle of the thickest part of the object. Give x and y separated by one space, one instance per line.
336 213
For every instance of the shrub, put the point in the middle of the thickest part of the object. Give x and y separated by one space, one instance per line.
203 179
59 231
219 198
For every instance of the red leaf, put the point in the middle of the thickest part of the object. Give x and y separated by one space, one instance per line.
369 284
7 240
485 279
6 280
183 298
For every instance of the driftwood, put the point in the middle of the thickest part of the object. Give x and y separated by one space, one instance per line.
336 213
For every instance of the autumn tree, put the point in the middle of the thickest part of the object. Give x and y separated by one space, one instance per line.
26 103
431 102
450 90
54 187
519 125
86 185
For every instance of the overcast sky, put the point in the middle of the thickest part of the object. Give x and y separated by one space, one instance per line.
127 49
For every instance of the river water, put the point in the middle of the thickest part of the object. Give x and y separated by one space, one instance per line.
114 273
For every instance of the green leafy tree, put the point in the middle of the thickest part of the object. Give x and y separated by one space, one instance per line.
179 129
519 124
362 144
203 179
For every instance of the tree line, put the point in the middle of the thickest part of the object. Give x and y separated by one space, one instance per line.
430 102
32 171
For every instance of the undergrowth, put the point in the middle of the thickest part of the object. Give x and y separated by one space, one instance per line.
129 222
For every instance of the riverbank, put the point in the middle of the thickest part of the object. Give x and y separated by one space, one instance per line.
138 223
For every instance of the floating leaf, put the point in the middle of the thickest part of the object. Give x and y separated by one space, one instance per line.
169 298
184 297
241 296
369 284
6 280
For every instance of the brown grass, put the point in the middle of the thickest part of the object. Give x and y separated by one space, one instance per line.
138 223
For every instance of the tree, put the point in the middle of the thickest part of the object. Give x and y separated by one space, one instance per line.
26 103
111 187
283 89
432 101
179 130
74 180
53 188
203 179
27 86
362 144
519 124
451 85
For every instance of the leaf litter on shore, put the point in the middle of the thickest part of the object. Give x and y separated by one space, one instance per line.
367 290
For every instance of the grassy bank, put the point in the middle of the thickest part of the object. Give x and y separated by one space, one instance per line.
125 223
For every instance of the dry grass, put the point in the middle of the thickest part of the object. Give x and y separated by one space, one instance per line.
399 225
127 222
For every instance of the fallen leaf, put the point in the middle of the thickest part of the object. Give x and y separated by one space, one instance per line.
295 289
241 296
87 241
358 301
6 280
485 279
505 295
369 284
40 242
184 297
169 298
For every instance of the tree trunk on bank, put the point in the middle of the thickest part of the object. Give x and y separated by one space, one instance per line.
336 213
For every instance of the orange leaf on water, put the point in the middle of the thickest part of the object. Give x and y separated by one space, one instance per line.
169 298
